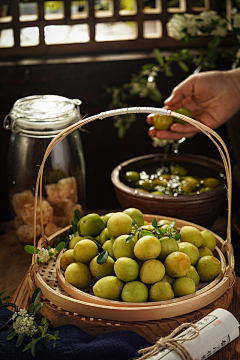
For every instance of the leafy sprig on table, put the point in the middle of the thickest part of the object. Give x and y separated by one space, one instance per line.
4 299
22 330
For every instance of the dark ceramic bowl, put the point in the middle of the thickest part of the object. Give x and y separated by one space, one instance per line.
200 209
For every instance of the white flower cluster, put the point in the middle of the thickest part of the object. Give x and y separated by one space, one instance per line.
24 323
44 255
73 235
160 142
236 21
180 25
207 22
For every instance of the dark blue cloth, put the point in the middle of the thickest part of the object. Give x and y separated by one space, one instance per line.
75 344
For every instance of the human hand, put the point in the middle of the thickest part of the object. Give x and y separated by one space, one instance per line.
213 97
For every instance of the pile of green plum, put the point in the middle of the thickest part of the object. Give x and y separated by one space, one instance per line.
172 180
123 257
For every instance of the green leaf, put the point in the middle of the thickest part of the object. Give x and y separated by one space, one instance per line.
158 56
134 223
148 66
146 232
31 344
37 308
121 132
102 258
33 350
40 328
50 337
56 334
11 335
154 223
172 224
6 298
43 321
20 339
129 238
74 227
100 249
214 42
168 71
31 309
36 296
30 249
183 66
78 214
60 246
10 329
178 236
57 240
45 328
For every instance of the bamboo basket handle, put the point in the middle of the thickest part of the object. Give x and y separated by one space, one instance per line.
213 136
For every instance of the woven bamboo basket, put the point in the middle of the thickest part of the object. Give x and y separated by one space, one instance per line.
59 292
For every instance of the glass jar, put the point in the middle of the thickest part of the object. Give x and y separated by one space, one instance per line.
34 122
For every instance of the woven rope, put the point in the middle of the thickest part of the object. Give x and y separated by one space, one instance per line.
171 342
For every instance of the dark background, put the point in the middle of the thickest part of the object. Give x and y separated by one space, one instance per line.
85 80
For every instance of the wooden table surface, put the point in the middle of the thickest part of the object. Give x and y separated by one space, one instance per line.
15 262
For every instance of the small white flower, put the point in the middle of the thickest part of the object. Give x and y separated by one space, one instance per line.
208 17
73 235
160 142
44 254
25 324
236 21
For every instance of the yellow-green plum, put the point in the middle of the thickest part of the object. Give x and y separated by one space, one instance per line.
78 274
135 214
189 184
108 287
191 250
148 247
119 224
166 222
104 236
168 245
208 268
177 264
168 279
183 286
99 271
134 291
151 271
90 224
192 274
85 250
74 241
208 239
121 248
106 217
161 291
192 235
108 246
126 269
211 182
204 251
67 258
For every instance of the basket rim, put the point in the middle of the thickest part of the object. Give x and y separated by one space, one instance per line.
109 307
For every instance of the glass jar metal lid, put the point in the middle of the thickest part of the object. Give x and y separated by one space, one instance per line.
42 115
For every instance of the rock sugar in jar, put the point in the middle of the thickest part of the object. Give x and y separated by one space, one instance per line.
34 122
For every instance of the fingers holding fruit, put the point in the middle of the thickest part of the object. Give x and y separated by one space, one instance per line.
169 127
